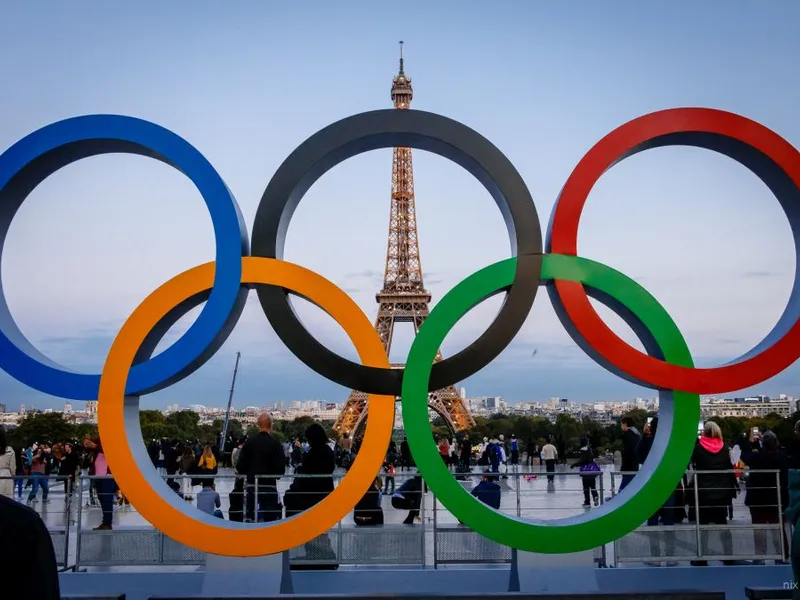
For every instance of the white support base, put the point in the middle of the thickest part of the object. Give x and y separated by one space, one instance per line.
554 573
259 576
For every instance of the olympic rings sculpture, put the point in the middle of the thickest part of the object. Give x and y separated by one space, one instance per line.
131 370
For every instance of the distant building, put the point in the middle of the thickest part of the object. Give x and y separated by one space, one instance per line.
2 407
746 408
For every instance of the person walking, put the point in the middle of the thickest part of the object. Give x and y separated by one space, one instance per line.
549 456
589 472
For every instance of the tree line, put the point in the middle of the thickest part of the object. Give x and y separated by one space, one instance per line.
185 425
605 437
179 425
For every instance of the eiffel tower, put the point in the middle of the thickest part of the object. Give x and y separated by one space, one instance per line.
403 297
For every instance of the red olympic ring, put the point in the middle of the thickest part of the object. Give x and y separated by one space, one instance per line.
653 130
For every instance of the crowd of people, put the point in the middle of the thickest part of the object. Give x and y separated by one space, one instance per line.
723 470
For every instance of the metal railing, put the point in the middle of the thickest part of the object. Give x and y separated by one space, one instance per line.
454 543
138 544
44 486
715 528
440 540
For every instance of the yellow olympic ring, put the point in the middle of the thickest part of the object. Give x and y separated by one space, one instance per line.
226 538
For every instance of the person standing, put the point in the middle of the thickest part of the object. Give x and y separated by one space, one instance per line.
207 465
405 454
27 557
38 475
666 514
513 447
8 467
312 486
716 485
589 471
70 462
104 484
630 462
464 456
444 450
792 511
262 456
549 456
766 492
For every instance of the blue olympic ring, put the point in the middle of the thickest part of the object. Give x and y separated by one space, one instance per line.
34 158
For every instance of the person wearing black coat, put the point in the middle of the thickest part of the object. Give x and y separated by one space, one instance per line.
368 510
766 491
262 456
305 492
409 497
714 490
666 514
318 464
27 555
70 463
630 463
589 473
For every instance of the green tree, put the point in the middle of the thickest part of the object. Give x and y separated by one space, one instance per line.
639 417
43 427
154 426
235 428
186 423
568 428
84 430
296 428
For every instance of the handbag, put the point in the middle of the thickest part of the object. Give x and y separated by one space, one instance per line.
591 467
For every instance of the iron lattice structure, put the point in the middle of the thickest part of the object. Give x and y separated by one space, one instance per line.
403 297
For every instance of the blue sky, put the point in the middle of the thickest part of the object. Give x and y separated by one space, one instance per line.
247 82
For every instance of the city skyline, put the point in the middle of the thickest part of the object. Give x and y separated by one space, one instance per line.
248 83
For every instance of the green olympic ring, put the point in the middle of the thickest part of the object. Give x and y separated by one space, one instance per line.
642 498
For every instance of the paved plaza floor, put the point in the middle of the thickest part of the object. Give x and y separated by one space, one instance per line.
527 494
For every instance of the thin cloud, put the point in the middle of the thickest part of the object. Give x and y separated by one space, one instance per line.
365 274
758 274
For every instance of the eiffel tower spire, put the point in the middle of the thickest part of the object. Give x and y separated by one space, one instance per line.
403 297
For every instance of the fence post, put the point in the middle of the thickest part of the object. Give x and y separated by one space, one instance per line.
601 492
339 541
519 499
160 548
435 524
781 536
697 516
68 520
79 521
422 518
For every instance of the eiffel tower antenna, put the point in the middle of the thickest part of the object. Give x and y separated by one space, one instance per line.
403 297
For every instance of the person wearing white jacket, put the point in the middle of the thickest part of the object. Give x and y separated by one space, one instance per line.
8 467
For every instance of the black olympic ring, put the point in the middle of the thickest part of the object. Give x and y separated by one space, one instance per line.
424 131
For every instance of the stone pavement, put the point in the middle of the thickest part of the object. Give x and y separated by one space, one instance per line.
528 496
